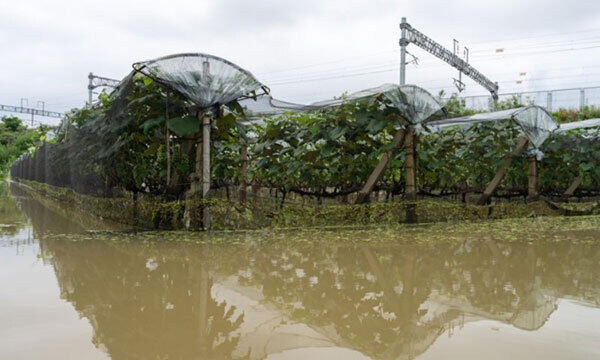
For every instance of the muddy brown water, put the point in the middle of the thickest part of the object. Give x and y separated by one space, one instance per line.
68 293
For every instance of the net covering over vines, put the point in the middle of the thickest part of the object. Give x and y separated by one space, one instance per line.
206 80
584 124
534 121
415 104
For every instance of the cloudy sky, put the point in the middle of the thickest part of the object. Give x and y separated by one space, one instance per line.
303 50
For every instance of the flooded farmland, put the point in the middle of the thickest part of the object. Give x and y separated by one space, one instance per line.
517 289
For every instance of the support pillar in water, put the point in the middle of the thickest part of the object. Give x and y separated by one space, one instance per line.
244 173
410 166
532 174
205 168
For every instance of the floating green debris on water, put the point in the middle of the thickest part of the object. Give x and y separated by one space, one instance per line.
228 216
585 229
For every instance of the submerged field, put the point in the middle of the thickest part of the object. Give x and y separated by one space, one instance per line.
519 288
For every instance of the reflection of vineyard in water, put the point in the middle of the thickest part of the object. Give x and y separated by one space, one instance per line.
142 306
45 220
147 299
11 218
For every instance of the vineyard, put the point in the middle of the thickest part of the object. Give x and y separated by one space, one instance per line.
147 137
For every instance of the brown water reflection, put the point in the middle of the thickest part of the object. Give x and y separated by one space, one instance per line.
169 300
176 301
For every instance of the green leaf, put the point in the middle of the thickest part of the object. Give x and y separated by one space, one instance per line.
362 117
337 132
376 125
227 121
151 124
183 126
235 106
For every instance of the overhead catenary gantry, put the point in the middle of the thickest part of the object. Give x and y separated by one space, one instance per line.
32 111
99 81
411 35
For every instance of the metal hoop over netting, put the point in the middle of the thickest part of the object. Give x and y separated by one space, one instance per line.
204 79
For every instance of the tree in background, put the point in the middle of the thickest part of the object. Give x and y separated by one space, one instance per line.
16 139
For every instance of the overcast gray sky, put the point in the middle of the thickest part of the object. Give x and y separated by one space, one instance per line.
304 50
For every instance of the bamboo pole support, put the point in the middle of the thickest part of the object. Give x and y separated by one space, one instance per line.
363 195
244 172
571 189
491 187
532 177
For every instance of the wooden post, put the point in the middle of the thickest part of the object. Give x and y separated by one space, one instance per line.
410 165
532 173
205 168
196 183
363 195
410 168
489 190
574 185
244 173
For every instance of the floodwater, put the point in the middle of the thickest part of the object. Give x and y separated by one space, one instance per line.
67 293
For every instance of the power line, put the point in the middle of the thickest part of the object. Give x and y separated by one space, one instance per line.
329 73
537 36
392 69
473 51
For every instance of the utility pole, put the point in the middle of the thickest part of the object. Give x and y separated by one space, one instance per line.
403 43
410 139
